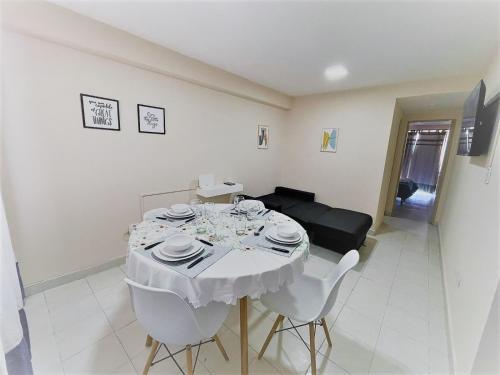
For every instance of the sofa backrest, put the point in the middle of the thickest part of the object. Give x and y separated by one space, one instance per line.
293 193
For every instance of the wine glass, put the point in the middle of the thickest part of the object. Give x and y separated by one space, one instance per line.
252 212
237 202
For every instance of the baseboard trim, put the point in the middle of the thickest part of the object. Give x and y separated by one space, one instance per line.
64 279
451 354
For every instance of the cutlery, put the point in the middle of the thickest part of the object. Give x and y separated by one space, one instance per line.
152 245
205 242
257 232
267 211
187 221
167 218
163 218
276 249
200 259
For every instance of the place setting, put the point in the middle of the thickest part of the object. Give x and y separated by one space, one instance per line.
281 239
248 207
185 254
176 215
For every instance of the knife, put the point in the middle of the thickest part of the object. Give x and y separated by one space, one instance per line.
205 242
276 249
191 265
152 245
163 218
257 232
187 221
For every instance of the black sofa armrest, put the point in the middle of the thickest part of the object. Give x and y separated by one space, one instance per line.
247 196
293 193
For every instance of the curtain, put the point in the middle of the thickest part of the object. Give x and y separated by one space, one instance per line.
14 338
423 157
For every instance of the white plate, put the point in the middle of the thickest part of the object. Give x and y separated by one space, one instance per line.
180 208
182 254
280 242
272 233
157 253
173 215
243 206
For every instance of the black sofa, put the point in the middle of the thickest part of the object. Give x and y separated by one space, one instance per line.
333 228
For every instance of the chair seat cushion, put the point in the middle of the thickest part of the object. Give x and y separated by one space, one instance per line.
340 230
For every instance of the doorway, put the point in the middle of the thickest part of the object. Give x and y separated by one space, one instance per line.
422 165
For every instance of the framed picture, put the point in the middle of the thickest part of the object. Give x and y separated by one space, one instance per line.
100 113
329 138
262 137
151 119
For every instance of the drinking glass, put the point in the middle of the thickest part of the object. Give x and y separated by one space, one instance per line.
209 208
240 225
214 221
252 212
196 207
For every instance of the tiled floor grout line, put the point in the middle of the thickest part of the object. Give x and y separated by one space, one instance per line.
335 320
386 306
408 242
112 328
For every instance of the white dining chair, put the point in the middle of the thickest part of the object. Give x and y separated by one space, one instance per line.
308 300
170 320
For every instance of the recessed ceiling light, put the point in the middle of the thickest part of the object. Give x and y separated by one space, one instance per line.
336 72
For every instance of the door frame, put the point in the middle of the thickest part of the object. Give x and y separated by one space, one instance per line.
454 117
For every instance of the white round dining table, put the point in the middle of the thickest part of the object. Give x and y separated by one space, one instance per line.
245 271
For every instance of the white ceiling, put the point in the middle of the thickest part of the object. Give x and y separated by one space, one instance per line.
288 45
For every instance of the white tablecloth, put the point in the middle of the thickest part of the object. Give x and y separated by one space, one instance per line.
240 273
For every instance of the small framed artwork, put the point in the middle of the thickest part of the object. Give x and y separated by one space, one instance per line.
100 113
262 137
329 138
151 119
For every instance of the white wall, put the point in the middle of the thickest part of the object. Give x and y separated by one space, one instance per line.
71 192
351 178
53 23
469 234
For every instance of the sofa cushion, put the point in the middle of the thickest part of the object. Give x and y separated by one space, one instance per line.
278 202
340 230
294 193
304 212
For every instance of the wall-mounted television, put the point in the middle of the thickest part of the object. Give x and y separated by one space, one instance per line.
474 134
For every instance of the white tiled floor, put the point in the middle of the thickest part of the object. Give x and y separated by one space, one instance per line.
389 318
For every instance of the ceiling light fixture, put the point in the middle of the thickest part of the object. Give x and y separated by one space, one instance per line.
335 72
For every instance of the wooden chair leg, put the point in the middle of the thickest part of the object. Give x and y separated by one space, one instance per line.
149 341
277 322
327 334
221 347
312 347
189 360
151 357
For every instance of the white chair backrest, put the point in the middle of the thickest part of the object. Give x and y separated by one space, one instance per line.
164 315
334 279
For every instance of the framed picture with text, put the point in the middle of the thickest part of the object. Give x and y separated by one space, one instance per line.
151 119
100 113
